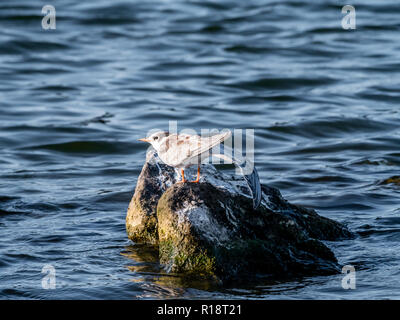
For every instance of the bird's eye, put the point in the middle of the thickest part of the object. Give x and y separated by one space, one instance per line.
155 138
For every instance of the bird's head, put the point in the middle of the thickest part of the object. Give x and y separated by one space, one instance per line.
156 139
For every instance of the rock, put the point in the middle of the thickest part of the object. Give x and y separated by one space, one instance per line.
392 180
141 220
210 229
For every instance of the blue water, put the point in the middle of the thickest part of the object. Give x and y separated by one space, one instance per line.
324 103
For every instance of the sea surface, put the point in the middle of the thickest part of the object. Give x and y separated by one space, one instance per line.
323 102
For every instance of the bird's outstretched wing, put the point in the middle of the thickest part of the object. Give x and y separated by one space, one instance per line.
253 181
252 178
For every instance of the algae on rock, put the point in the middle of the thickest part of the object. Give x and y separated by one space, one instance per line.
210 229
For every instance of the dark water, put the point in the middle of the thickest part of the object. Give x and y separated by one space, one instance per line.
324 103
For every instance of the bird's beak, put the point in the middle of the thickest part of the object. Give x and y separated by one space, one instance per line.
144 140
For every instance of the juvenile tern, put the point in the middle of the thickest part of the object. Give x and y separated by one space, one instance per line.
184 150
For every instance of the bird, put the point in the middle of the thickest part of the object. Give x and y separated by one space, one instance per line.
184 150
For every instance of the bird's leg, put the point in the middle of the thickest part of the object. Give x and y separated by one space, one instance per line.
198 175
183 176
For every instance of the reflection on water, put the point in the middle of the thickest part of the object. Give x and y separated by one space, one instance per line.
323 102
157 283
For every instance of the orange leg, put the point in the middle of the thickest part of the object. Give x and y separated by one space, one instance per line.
183 176
198 175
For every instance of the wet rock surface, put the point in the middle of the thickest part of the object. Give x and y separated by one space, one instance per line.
210 229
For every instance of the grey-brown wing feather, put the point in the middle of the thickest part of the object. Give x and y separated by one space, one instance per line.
252 179
182 149
203 144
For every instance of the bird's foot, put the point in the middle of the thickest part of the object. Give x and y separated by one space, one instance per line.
183 177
